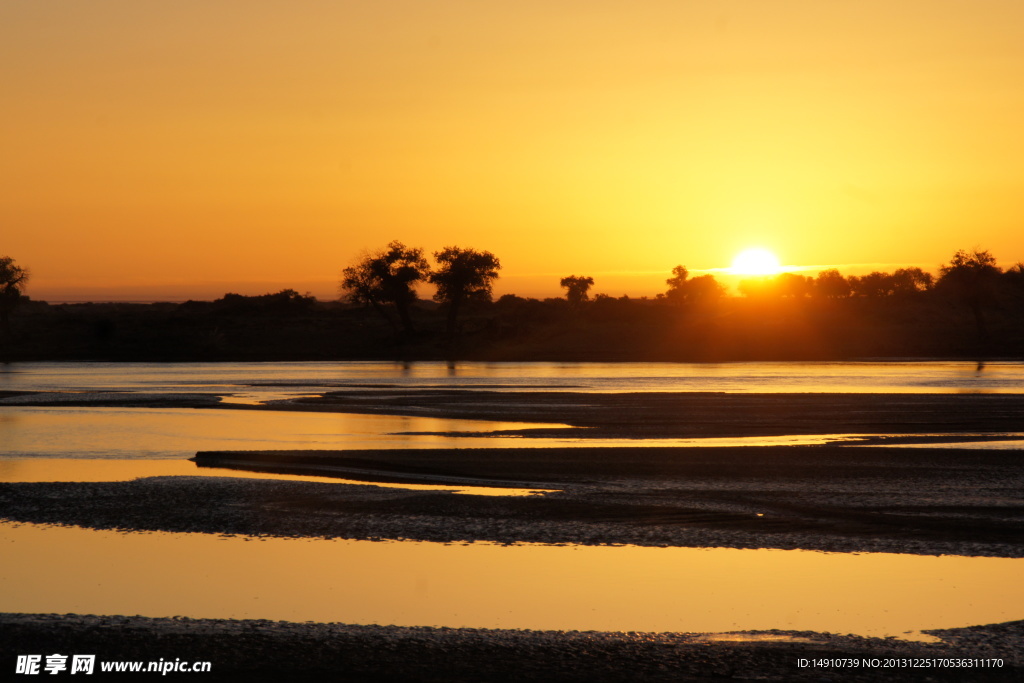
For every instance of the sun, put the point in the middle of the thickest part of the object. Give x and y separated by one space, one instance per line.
756 261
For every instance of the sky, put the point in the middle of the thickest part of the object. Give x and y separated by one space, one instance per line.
186 149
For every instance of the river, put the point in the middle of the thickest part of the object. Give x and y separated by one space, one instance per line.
50 569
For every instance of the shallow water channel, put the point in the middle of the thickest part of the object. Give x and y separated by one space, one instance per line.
82 432
483 585
85 432
24 470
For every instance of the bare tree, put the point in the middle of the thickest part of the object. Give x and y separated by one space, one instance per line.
463 275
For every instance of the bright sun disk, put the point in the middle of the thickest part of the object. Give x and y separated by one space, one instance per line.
755 261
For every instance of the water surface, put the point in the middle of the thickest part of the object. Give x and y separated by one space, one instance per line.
261 381
85 432
152 433
481 585
28 470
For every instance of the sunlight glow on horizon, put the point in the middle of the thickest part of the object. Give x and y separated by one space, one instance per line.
755 261
162 146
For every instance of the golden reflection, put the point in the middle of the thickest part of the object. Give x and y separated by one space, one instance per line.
180 432
280 380
757 638
23 470
56 569
1004 445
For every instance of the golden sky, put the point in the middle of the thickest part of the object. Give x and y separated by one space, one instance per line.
188 148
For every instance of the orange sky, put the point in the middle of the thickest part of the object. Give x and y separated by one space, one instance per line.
184 149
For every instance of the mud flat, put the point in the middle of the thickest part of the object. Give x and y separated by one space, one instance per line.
681 415
108 399
833 498
273 651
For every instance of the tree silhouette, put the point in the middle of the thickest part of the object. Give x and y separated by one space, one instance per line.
758 287
1014 276
677 284
701 289
463 275
972 276
875 284
970 267
13 279
577 288
911 281
793 285
704 289
387 277
831 284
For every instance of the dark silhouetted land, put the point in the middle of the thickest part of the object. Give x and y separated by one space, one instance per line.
286 326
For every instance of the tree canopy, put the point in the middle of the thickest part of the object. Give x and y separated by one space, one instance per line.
972 276
13 279
969 268
831 284
463 275
577 288
683 288
387 276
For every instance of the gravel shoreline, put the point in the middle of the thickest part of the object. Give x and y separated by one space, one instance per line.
257 650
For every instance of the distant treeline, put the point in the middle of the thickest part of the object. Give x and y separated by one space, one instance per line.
973 308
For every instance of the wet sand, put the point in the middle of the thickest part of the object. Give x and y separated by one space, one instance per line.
275 651
834 498
684 415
